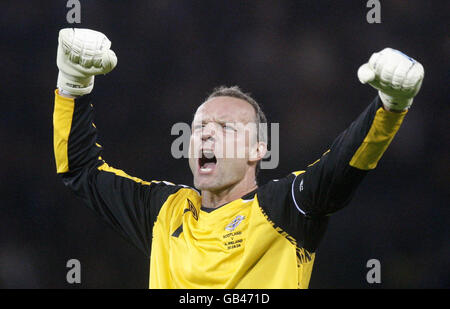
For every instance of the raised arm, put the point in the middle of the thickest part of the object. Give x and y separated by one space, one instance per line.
328 184
130 205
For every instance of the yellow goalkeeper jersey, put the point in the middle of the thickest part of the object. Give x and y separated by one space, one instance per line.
265 239
234 246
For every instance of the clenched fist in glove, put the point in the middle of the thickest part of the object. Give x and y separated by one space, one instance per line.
82 53
396 76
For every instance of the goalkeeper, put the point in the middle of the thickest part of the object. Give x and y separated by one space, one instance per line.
233 232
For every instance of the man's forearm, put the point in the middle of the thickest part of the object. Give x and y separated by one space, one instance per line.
329 183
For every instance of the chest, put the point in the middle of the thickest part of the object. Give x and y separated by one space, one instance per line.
210 245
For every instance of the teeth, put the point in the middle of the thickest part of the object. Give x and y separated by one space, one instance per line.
208 154
206 169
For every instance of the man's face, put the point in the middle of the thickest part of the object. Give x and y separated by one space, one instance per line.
223 143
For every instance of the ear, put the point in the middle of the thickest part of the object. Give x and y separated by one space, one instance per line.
257 152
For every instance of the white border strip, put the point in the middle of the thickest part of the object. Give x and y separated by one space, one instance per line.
293 197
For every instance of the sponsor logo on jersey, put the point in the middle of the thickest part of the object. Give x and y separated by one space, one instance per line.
192 209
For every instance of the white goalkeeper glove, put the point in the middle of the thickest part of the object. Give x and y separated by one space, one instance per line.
396 76
82 53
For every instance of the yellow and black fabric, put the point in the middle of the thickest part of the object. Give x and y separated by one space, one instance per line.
265 239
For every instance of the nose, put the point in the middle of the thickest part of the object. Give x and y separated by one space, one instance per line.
208 132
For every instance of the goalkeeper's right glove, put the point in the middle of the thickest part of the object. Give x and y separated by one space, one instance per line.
396 76
82 53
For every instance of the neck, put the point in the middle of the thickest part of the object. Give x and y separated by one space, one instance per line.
214 199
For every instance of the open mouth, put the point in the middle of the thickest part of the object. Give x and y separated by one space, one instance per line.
207 162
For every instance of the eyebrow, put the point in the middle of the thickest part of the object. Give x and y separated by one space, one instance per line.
218 120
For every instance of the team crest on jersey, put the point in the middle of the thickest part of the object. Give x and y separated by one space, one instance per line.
192 209
236 221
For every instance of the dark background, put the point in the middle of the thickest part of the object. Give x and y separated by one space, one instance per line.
299 60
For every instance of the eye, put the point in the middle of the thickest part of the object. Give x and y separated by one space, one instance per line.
227 126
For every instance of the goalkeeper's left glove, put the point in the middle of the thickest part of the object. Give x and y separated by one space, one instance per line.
82 54
396 76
